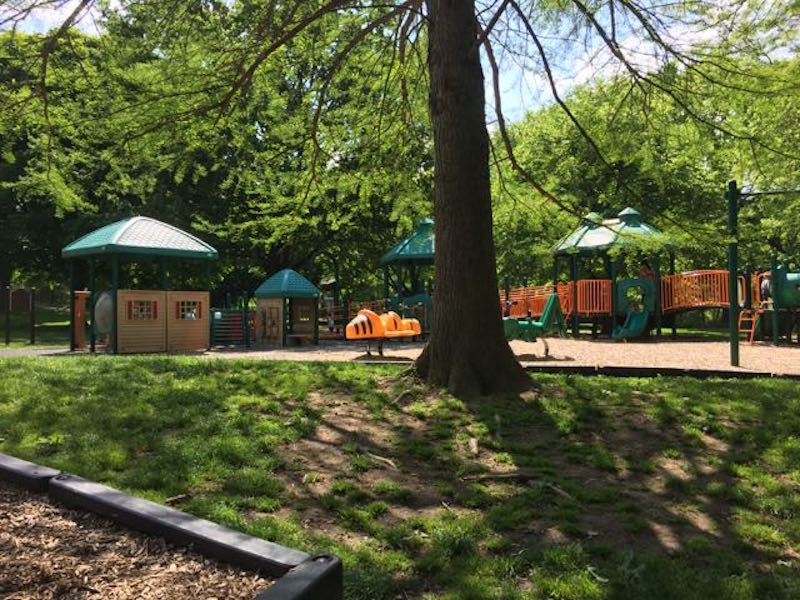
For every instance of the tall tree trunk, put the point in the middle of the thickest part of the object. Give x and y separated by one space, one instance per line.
467 352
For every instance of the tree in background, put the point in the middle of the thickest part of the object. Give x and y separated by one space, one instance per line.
467 351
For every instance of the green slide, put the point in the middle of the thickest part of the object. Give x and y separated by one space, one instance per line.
634 326
552 319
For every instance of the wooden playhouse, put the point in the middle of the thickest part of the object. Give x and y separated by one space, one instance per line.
287 306
139 320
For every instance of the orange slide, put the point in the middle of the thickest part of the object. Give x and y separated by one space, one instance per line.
368 325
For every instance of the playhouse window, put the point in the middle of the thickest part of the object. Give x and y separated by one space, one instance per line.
188 310
142 310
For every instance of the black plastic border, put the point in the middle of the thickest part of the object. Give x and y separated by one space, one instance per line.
299 575
28 475
318 578
615 371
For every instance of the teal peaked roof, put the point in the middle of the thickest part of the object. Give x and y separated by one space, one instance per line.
287 284
596 235
418 247
140 236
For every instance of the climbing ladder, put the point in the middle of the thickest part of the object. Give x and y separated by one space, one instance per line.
748 319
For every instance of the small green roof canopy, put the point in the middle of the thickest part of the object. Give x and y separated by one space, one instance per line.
418 247
595 235
139 236
287 284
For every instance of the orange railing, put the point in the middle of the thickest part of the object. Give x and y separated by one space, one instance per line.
526 301
594 297
696 289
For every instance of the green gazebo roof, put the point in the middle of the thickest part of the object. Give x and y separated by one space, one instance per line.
596 235
418 247
140 236
287 284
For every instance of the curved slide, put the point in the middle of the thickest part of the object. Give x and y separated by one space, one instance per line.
634 326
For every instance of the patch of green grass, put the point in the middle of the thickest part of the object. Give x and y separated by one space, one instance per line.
393 492
579 460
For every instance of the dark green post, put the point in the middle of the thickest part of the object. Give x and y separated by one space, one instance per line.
507 307
162 273
92 295
657 269
8 315
246 318
114 289
672 272
773 293
71 305
316 321
573 275
555 273
733 268
32 300
612 275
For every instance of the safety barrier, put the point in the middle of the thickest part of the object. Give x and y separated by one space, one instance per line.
696 289
227 327
594 297
693 289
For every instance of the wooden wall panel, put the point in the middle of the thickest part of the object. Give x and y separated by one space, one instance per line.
141 335
192 333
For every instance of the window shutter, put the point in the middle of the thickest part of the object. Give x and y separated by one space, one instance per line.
177 310
199 310
155 310
130 310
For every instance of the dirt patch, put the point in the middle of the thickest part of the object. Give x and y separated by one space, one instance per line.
51 552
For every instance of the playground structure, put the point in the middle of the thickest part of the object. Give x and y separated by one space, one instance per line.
606 303
367 325
137 320
287 310
408 274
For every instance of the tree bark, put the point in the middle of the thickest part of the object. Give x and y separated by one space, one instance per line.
467 352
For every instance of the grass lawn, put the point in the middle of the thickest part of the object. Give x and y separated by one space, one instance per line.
586 488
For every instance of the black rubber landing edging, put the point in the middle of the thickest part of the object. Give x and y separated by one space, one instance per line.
207 538
318 578
613 371
28 475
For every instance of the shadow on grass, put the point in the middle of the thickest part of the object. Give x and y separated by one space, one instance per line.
588 488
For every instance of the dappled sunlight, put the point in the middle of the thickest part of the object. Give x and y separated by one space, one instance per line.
579 487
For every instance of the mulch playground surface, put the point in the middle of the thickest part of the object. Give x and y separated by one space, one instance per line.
51 552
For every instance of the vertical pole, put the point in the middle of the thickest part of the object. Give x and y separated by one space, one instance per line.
32 306
246 318
748 288
92 296
287 318
555 273
114 301
316 321
773 293
657 269
733 268
72 324
162 273
8 315
612 274
672 272
573 275
507 307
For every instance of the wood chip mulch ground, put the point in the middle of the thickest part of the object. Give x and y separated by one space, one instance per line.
49 552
